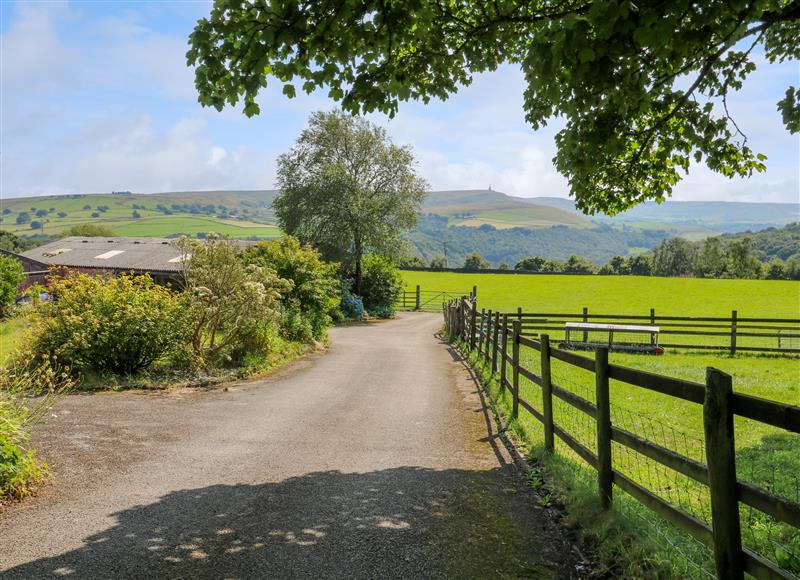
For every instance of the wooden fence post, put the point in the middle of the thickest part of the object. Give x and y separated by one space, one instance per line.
474 292
495 342
721 459
519 313
585 319
486 349
547 394
503 353
480 330
733 332
652 323
473 313
604 474
417 301
515 369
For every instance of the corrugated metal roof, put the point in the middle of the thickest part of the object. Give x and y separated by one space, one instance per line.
149 254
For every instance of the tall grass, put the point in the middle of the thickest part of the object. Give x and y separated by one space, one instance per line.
27 392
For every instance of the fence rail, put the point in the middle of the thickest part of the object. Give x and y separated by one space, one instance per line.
730 334
490 334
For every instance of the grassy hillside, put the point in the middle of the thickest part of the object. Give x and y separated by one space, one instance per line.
434 233
783 243
474 208
240 214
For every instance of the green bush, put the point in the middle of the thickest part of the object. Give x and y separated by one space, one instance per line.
11 276
381 286
227 298
120 325
475 261
88 231
314 286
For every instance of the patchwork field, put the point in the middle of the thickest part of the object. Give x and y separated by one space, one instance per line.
200 212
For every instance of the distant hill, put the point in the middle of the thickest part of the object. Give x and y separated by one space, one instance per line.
238 213
476 207
433 236
783 243
693 217
500 226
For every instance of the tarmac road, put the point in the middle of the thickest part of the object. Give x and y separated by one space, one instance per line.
375 459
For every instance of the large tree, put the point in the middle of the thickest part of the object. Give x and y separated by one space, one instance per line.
348 190
642 86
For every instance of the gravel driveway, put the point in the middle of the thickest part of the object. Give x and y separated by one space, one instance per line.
375 459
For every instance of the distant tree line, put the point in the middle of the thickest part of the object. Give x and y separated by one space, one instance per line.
736 256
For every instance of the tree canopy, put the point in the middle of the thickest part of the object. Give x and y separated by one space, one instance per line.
348 190
642 88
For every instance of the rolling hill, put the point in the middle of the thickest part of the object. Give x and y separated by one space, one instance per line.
500 226
239 214
692 218
478 207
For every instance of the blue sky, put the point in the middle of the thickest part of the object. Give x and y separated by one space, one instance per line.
96 96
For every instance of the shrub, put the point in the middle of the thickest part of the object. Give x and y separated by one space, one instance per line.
381 286
578 265
226 297
413 262
11 276
88 231
19 411
475 261
352 307
438 262
121 325
314 287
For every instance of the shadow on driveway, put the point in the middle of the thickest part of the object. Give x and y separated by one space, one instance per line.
401 522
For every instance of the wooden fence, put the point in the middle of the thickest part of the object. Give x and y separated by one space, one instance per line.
732 334
428 300
490 334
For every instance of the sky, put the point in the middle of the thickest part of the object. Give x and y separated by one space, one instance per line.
96 96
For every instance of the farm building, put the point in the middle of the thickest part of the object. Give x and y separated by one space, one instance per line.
35 271
155 256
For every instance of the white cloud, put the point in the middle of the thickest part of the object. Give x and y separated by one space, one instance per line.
99 103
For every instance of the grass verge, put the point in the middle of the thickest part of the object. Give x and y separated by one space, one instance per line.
629 540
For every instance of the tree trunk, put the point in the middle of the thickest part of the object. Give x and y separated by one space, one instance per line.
357 284
359 253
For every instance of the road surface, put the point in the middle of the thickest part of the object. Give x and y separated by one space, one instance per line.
375 459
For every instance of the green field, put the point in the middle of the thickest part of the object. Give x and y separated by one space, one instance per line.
528 216
620 294
766 456
254 217
772 377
